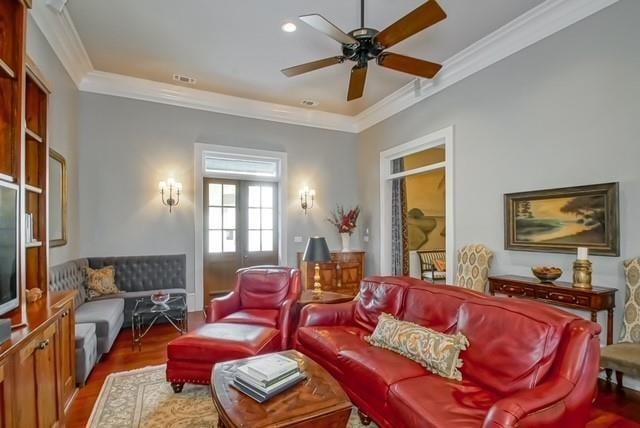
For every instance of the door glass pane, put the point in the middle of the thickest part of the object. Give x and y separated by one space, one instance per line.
254 218
229 218
229 242
254 240
215 194
215 241
267 218
229 195
267 197
215 218
254 196
267 240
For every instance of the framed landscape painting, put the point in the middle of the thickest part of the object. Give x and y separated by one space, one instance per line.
561 220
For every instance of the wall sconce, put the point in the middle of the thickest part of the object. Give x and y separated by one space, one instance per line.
307 196
170 192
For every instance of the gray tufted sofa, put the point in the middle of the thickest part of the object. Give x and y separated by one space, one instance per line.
99 320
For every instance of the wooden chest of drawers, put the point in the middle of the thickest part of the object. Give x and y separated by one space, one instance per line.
342 275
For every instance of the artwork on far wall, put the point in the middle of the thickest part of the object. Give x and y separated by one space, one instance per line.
560 220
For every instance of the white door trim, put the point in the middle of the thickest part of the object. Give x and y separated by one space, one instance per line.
442 137
199 174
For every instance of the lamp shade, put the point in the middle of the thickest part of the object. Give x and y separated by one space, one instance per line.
317 251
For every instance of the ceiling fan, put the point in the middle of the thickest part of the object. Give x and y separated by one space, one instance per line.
364 44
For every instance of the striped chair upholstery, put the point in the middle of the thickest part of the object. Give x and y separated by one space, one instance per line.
474 262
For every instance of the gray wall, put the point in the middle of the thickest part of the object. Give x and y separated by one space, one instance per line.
563 112
128 146
63 129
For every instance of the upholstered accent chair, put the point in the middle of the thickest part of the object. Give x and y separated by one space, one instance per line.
255 318
474 262
624 356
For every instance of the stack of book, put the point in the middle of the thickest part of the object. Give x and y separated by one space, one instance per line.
265 377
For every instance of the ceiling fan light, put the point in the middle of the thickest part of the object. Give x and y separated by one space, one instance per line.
289 27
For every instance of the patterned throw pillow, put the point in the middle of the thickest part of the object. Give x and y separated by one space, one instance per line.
101 282
437 352
440 265
630 331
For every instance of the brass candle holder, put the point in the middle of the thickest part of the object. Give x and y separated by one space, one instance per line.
582 274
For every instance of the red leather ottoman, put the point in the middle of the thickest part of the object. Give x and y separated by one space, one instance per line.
192 356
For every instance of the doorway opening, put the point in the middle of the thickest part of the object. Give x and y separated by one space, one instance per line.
240 215
416 197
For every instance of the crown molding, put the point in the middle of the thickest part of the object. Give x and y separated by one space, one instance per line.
147 90
59 30
536 24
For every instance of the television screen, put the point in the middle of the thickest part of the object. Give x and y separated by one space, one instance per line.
8 247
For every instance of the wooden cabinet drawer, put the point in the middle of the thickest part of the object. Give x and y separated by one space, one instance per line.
511 289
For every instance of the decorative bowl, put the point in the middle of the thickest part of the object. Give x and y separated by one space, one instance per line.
547 273
160 298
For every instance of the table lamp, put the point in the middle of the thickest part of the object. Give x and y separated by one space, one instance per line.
317 252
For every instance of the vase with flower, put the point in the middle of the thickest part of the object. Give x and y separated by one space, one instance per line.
345 223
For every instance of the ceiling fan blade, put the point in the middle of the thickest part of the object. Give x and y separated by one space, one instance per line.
356 82
416 21
321 24
311 66
410 65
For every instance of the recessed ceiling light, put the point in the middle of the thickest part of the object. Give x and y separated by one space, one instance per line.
309 103
289 27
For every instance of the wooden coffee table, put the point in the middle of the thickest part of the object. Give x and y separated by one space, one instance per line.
319 401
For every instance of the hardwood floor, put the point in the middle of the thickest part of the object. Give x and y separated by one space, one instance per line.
610 410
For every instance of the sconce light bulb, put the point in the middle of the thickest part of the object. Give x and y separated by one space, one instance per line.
171 182
179 187
162 185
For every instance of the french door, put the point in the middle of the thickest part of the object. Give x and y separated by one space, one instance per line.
240 219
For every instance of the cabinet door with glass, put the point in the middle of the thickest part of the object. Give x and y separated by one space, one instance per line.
241 230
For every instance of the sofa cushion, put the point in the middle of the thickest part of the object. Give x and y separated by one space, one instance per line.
105 314
101 282
329 341
437 352
433 401
378 295
265 317
263 288
371 370
222 342
84 333
141 273
435 307
521 338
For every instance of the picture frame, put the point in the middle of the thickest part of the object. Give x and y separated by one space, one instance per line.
561 220
57 199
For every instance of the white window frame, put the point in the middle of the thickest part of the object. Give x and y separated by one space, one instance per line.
200 150
443 137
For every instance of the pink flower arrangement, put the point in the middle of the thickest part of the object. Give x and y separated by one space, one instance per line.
344 222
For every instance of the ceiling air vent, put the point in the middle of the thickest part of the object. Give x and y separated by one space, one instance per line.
184 79
309 103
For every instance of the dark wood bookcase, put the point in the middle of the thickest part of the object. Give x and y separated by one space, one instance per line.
24 146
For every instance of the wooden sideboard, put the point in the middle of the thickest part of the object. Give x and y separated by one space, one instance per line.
559 293
342 275
37 365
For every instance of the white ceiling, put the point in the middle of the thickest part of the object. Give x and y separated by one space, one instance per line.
237 47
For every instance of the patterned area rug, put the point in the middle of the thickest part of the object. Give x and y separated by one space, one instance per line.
143 398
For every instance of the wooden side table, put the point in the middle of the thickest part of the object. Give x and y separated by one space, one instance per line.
559 293
308 297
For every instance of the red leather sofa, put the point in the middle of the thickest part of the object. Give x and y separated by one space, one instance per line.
255 318
528 364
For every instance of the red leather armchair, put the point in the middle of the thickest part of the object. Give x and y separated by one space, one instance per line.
527 365
255 318
263 295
